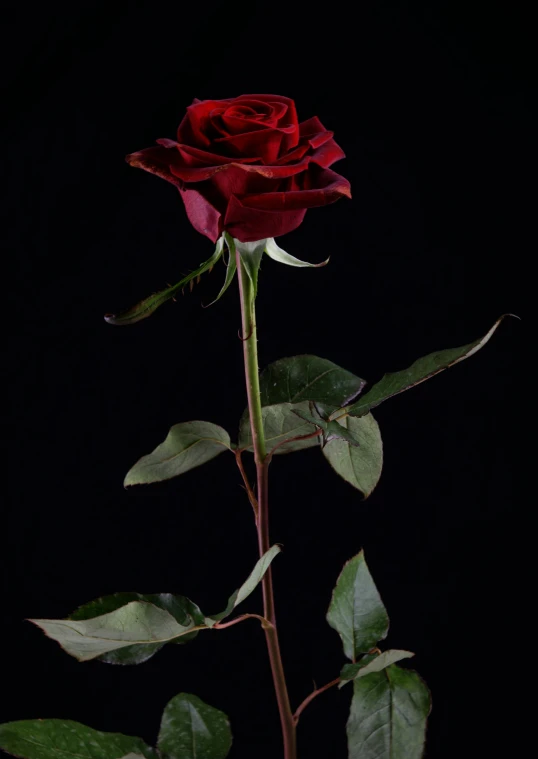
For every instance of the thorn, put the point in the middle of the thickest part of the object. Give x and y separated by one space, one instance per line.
183 291
198 278
210 269
191 284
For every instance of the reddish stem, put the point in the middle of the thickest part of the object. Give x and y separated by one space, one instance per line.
250 352
312 696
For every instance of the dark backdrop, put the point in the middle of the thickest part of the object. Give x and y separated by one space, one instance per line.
432 108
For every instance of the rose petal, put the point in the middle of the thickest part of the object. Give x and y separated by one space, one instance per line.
156 161
327 154
249 225
196 126
265 143
326 187
203 216
291 140
311 127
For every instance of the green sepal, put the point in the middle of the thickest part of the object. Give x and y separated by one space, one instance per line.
231 268
277 254
149 305
251 256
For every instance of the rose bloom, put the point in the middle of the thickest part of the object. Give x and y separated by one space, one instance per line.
247 166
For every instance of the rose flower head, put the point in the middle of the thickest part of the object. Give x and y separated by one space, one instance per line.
246 166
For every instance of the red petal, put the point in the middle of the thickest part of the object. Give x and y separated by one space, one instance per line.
327 154
203 216
291 140
265 143
248 225
156 161
326 187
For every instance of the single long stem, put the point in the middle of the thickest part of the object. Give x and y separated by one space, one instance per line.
250 353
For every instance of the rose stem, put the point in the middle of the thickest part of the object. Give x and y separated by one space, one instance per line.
250 354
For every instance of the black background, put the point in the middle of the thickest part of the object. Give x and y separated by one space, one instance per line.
431 105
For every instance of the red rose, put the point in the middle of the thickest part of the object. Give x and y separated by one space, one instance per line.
246 166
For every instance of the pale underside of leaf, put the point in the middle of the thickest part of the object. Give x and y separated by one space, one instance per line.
187 445
255 577
136 623
280 425
361 465
372 663
142 624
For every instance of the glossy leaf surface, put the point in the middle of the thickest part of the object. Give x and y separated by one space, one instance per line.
356 611
65 739
308 378
191 729
388 715
251 255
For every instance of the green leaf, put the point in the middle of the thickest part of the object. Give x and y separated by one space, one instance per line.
421 370
64 739
372 663
251 255
136 623
187 445
277 254
360 466
190 729
308 378
231 268
147 306
388 715
254 578
356 611
331 430
280 423
182 609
